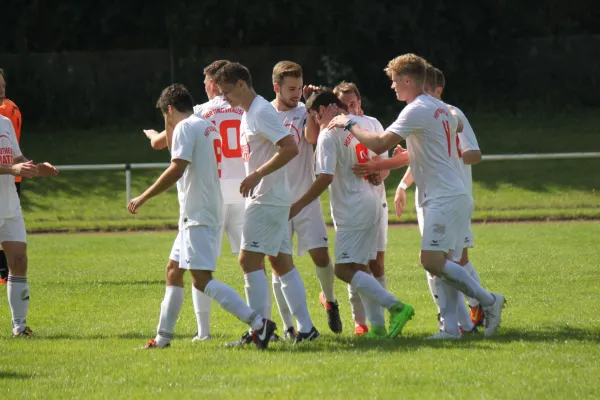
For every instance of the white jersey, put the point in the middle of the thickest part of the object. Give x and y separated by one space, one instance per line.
375 127
300 171
197 141
466 142
354 204
227 120
10 205
430 132
261 130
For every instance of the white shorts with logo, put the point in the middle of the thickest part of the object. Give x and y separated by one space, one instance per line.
13 229
233 225
445 223
197 247
310 227
356 246
266 229
468 240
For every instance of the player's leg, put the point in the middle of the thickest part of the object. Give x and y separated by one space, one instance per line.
3 267
442 226
202 303
352 248
284 311
476 311
13 239
201 253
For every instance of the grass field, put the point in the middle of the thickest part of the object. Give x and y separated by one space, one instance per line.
96 297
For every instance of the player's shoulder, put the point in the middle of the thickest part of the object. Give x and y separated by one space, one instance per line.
5 120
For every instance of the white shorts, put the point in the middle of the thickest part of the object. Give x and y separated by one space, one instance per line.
233 224
13 230
266 229
467 236
310 227
198 248
356 246
445 220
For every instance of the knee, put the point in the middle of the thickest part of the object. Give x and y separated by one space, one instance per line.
200 279
433 261
464 259
343 272
174 274
320 257
376 267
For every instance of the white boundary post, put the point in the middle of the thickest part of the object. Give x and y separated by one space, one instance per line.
128 183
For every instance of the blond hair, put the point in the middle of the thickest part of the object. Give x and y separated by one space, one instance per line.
286 68
346 87
408 64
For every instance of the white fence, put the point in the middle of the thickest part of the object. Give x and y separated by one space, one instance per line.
129 167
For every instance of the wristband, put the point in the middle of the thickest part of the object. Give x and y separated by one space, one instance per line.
349 125
402 186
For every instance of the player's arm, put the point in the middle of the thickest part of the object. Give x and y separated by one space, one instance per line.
372 141
383 166
320 185
42 169
167 179
472 157
311 130
158 141
400 196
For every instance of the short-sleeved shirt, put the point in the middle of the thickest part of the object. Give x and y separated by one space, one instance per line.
430 132
10 205
197 141
261 130
466 142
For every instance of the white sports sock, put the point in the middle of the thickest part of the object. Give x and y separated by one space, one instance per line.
233 303
470 268
295 296
202 306
375 312
382 281
438 295
368 286
326 278
268 303
464 319
448 314
169 313
255 286
286 316
358 310
18 300
456 276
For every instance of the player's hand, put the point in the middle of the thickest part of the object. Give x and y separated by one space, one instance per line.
25 170
338 122
375 178
329 113
295 210
249 183
399 149
46 169
400 201
364 169
150 133
307 90
135 204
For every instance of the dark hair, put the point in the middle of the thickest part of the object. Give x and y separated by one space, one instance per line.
323 97
440 79
434 77
231 73
346 87
214 67
177 96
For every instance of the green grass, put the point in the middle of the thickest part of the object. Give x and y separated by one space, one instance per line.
96 297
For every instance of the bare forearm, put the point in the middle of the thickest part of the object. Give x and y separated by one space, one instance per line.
371 140
408 178
315 190
6 169
398 161
164 182
159 142
471 157
311 131
280 159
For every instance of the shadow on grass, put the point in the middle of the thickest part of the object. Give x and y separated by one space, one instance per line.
14 375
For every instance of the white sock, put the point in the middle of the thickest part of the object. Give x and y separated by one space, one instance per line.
233 303
326 278
268 303
375 312
382 281
286 316
464 319
470 268
368 286
255 286
295 296
456 276
448 314
169 313
438 295
18 300
202 305
358 310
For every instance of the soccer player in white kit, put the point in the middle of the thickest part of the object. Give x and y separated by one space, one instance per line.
429 128
195 167
349 94
356 212
227 120
13 237
309 225
267 147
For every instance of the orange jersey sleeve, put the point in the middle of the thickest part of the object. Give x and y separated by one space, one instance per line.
10 110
